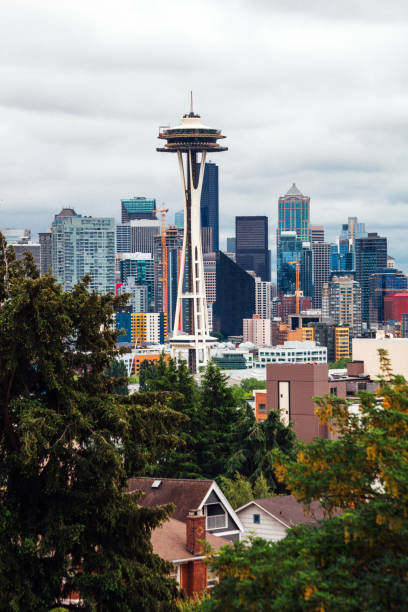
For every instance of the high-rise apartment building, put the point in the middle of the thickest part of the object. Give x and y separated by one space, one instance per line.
140 267
257 330
45 240
263 299
137 208
30 247
140 327
341 303
83 246
235 296
138 301
209 204
316 233
179 218
382 283
370 256
123 238
321 270
210 277
294 214
252 245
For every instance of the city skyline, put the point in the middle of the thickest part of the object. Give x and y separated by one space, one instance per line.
78 134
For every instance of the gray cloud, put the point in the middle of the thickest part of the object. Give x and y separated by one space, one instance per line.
314 93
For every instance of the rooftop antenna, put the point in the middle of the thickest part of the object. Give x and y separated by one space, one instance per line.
191 102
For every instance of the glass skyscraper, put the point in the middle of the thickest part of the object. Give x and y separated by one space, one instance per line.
252 245
371 256
294 214
210 202
83 246
382 283
138 208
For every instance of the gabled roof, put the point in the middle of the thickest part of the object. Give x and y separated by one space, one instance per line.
294 191
287 510
169 542
185 493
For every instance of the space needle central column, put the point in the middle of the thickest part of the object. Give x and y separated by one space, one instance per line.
191 138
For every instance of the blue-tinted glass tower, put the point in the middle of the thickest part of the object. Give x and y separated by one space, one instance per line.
381 283
209 202
371 256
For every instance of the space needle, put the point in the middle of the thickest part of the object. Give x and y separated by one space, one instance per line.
193 138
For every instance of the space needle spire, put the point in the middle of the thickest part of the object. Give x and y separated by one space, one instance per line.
191 140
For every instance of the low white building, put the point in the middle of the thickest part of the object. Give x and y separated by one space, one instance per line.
292 352
269 518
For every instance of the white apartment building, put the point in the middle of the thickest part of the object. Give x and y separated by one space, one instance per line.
263 300
292 352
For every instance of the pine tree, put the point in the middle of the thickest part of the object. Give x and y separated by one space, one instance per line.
67 447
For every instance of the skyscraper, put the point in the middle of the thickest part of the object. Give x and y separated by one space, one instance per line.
321 270
370 255
142 233
192 137
137 208
83 245
306 270
316 233
341 302
235 296
382 283
289 249
252 245
140 267
231 244
263 299
123 238
179 218
174 245
45 240
209 202
294 214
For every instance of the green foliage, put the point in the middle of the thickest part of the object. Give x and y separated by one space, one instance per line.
340 364
219 436
117 369
68 444
219 336
192 604
249 384
238 490
261 487
355 561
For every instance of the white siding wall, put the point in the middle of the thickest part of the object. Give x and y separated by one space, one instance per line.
269 528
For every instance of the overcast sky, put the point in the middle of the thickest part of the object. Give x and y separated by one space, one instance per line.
313 92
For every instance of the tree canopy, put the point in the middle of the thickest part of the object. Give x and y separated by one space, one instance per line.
68 444
356 559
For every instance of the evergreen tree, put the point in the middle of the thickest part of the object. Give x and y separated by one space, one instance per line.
261 488
237 490
117 369
67 447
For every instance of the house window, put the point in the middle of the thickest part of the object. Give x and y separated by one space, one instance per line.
257 519
262 407
216 516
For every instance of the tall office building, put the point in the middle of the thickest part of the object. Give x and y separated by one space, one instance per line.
306 270
123 238
321 270
138 208
140 267
235 296
138 301
30 247
289 250
316 233
142 234
352 230
207 239
370 256
209 202
382 283
179 218
342 255
263 299
45 240
252 245
294 214
83 246
174 245
231 244
210 277
341 302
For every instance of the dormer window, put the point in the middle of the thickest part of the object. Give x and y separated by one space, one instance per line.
216 516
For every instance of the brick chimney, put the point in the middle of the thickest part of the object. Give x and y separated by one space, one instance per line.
195 530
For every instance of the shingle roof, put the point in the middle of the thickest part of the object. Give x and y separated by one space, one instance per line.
169 541
290 511
185 494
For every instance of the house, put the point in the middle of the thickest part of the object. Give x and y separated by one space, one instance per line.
185 494
182 544
270 517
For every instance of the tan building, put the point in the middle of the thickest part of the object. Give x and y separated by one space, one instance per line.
257 330
366 349
341 302
302 334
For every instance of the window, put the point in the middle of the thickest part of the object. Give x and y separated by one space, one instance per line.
257 519
262 407
216 516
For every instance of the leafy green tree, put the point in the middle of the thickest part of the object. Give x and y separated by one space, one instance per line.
237 490
68 444
340 364
261 488
353 561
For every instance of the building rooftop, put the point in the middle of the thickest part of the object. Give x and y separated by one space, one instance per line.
294 191
288 510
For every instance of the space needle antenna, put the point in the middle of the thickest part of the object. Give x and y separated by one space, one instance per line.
191 102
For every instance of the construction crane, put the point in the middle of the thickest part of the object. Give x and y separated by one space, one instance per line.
163 262
297 264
